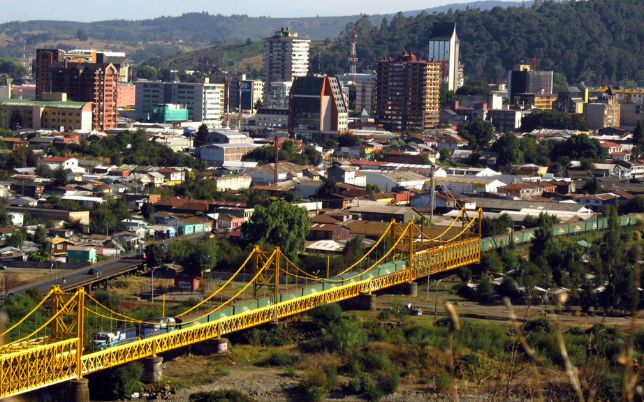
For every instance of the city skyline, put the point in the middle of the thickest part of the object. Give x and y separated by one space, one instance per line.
26 10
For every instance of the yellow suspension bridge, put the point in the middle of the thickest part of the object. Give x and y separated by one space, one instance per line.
54 342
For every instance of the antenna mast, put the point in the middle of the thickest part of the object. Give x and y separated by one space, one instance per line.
353 59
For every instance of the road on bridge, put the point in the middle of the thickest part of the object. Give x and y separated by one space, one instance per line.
102 270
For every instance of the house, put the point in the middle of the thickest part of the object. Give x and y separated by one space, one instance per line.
374 211
266 174
128 240
12 253
466 172
163 231
59 162
188 226
81 254
596 201
560 186
173 176
346 174
16 218
387 181
326 231
28 187
522 191
85 201
445 138
156 179
227 222
23 202
5 190
58 246
469 185
530 170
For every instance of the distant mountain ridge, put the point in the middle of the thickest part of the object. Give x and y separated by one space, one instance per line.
168 35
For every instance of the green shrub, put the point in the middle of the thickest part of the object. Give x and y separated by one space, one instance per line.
226 395
317 383
325 315
388 380
371 389
347 334
443 381
279 358
610 385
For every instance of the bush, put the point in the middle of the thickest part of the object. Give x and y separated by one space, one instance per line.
317 382
443 381
326 314
345 335
280 359
225 395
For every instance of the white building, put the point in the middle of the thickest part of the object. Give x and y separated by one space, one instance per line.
217 154
233 182
59 162
276 94
204 101
271 118
390 180
444 46
285 56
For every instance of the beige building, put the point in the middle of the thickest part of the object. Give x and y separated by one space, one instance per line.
604 114
49 115
285 56
233 182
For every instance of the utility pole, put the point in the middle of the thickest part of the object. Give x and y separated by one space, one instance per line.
432 194
277 156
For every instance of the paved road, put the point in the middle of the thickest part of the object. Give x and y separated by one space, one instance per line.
72 279
105 269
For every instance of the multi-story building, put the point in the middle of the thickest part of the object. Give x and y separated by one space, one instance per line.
276 94
365 92
523 80
204 101
271 118
285 56
408 93
251 92
444 46
84 82
506 120
317 105
48 115
605 113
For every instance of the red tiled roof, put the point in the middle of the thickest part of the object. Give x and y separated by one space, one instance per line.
55 159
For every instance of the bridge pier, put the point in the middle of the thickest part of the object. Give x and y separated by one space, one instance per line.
80 390
407 289
152 369
219 345
362 302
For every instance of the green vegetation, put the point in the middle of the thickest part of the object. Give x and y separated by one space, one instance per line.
288 153
194 257
225 395
280 224
553 119
12 68
563 36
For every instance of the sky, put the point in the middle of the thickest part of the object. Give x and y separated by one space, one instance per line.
93 10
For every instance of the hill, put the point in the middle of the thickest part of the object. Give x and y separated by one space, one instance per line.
590 41
165 36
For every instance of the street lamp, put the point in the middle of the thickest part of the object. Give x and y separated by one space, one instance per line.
436 300
152 282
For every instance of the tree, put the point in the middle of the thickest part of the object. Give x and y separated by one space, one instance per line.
478 133
281 224
155 254
446 155
508 149
82 35
592 186
348 140
202 136
553 119
117 383
485 290
203 257
544 244
354 249
60 176
40 236
579 147
147 73
147 210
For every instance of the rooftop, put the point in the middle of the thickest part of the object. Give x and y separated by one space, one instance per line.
35 103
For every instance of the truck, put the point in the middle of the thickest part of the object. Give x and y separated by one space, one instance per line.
162 325
104 340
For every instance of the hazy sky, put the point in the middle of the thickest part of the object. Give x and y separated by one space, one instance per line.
92 10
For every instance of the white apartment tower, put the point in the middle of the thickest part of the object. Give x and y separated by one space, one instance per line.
285 57
204 101
444 46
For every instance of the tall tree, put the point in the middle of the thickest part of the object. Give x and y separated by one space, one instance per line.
202 136
281 224
478 132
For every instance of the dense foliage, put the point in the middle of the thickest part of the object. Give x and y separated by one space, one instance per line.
585 40
553 119
288 152
281 224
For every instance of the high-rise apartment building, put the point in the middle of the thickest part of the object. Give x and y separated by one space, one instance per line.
317 106
603 113
285 57
86 82
408 93
445 47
